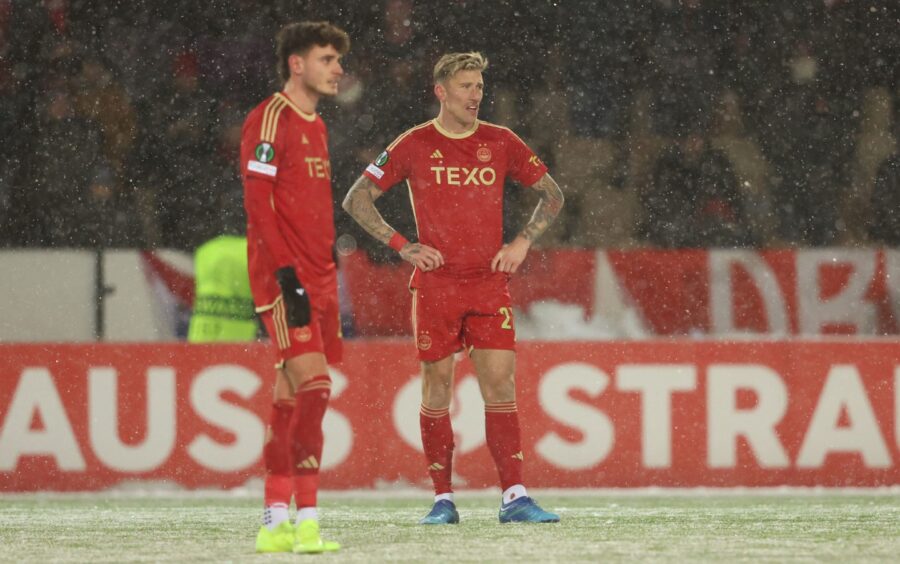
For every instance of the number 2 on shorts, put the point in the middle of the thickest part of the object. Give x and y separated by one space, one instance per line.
507 321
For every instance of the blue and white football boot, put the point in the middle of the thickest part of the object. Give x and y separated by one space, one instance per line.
525 510
443 513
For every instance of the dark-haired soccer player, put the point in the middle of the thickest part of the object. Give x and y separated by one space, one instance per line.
455 166
290 233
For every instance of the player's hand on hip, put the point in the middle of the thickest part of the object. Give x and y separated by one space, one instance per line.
421 256
510 256
296 298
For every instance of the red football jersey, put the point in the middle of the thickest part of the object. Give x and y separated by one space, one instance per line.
287 194
456 187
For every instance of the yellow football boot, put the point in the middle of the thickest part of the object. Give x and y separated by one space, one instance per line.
281 539
308 541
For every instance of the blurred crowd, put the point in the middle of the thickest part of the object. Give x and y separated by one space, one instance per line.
668 123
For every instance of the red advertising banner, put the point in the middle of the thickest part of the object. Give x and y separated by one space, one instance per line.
722 292
605 414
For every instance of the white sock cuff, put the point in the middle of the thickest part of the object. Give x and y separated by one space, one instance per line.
448 496
514 492
307 513
275 514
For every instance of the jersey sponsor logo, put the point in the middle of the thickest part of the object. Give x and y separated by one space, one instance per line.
265 152
382 159
375 171
483 154
317 167
262 168
462 176
303 334
437 154
424 341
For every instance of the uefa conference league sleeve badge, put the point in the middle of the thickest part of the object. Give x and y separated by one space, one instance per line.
264 153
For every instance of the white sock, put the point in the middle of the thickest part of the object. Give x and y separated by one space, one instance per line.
305 513
274 515
448 496
513 492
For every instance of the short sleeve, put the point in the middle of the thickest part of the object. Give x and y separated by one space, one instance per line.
525 167
393 165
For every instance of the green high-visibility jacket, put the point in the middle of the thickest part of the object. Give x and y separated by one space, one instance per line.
223 304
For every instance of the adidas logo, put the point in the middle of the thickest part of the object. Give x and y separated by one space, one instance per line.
305 141
310 462
437 155
519 455
436 466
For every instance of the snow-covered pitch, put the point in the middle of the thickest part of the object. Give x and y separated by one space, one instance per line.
775 525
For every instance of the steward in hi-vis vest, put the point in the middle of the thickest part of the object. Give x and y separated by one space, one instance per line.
223 305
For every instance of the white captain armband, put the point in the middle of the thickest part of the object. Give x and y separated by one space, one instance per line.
262 168
374 171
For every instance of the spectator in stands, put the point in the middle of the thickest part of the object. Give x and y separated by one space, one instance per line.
221 207
10 158
179 155
806 142
107 214
591 155
874 144
694 200
100 98
730 136
884 228
683 57
64 160
32 50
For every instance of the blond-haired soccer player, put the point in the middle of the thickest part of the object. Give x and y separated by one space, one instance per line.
290 233
456 166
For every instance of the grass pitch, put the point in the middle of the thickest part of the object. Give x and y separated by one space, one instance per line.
608 526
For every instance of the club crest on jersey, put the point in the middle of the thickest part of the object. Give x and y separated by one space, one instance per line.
483 154
265 152
303 334
382 159
424 341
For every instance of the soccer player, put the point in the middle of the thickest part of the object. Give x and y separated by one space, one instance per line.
293 277
455 166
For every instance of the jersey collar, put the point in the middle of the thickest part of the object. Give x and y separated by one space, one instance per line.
295 107
462 135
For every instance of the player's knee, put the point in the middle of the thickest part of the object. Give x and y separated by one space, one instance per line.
436 393
499 388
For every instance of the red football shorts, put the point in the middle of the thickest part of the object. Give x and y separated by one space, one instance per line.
474 314
322 335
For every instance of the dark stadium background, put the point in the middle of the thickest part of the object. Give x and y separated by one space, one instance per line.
120 120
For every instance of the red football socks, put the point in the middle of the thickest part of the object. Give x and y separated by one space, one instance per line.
306 431
277 454
501 421
437 441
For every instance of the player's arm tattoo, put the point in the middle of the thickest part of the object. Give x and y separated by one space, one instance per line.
360 204
548 208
